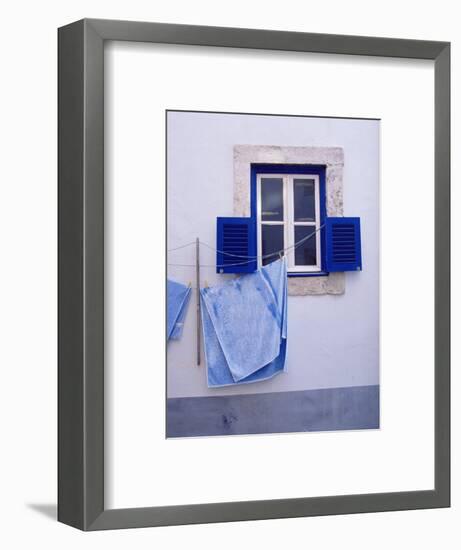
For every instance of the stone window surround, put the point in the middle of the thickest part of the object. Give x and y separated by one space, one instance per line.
333 159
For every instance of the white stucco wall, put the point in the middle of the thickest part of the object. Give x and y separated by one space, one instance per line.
333 341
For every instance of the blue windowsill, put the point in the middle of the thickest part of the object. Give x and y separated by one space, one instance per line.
309 274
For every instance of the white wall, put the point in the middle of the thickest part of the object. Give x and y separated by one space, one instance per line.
28 275
333 341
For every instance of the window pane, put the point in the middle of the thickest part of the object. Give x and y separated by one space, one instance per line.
272 242
304 199
272 199
306 252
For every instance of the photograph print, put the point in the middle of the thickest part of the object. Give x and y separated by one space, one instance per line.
272 290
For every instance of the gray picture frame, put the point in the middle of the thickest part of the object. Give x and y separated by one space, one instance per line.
81 274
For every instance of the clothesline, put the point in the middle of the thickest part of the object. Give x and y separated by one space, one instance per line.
181 246
249 258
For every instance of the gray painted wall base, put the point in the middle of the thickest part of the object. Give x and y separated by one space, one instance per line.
352 408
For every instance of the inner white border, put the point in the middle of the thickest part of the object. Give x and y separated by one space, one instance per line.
142 467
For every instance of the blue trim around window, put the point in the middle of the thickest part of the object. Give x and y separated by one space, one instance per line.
308 169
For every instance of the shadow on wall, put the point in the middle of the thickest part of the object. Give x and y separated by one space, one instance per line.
48 510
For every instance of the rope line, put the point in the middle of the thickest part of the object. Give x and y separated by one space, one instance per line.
250 258
179 247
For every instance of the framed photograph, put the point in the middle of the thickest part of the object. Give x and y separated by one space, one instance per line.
254 278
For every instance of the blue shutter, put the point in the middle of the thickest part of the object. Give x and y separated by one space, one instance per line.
236 238
343 247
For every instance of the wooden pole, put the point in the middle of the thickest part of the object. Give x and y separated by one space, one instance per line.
197 287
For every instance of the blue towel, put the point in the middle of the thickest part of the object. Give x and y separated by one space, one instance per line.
245 327
178 296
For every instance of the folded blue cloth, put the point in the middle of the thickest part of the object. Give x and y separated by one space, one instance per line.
178 296
245 326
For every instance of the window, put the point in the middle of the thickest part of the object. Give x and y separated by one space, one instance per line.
289 217
288 213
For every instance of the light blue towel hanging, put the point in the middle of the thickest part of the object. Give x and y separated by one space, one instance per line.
245 327
178 296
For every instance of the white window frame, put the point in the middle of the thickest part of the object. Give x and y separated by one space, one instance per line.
288 220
